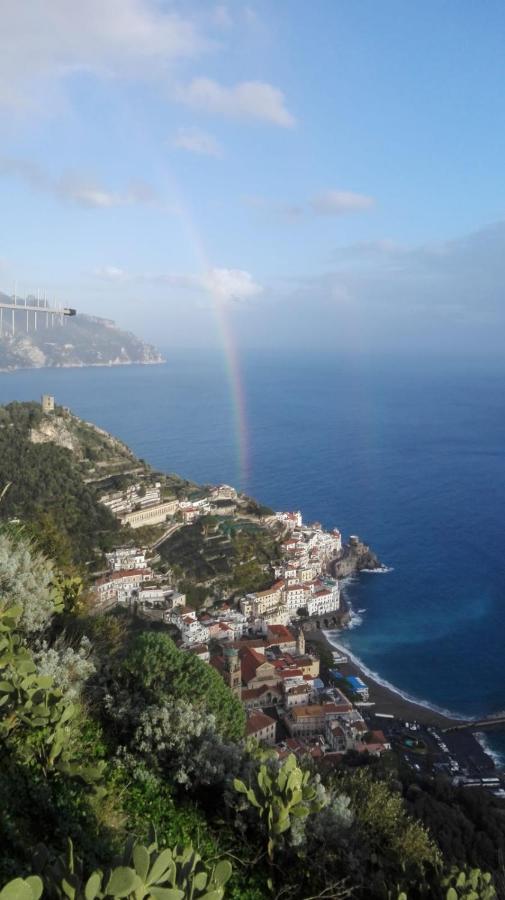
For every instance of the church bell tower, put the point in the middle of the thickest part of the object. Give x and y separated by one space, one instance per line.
232 674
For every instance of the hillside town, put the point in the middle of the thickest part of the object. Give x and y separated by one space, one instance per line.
256 641
294 700
141 504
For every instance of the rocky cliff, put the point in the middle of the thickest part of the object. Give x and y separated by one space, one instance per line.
80 341
355 557
91 446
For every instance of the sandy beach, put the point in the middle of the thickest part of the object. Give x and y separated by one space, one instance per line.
385 699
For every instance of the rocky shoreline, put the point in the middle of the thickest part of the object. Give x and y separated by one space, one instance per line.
386 699
354 557
358 557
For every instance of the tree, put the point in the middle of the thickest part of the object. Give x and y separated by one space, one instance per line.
391 846
159 670
180 739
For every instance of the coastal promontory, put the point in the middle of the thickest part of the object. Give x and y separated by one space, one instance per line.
67 342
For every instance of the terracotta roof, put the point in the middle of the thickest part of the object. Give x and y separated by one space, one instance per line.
273 589
318 711
257 722
198 648
250 662
241 644
291 673
122 573
256 693
294 744
370 748
337 729
281 632
305 660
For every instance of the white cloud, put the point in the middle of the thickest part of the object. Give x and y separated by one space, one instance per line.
291 212
42 41
111 273
197 141
329 203
83 192
337 203
75 188
225 285
245 100
229 284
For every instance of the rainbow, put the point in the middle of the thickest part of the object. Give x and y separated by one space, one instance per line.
230 354
204 262
236 389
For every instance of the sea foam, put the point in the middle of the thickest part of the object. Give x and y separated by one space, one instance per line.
498 758
374 676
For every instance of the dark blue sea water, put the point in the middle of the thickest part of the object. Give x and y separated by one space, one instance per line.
409 456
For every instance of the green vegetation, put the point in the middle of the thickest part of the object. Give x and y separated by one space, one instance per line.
160 671
47 491
218 557
107 731
141 872
110 735
282 797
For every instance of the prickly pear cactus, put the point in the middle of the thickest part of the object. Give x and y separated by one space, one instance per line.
281 797
469 884
141 873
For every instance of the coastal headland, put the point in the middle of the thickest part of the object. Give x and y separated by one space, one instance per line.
355 556
219 570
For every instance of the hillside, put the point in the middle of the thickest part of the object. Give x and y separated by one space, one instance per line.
47 488
221 555
57 466
80 341
108 729
124 773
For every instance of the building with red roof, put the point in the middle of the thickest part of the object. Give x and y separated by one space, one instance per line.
261 727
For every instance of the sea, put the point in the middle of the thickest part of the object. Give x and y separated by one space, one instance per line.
408 454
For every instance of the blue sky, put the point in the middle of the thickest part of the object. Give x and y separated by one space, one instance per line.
326 173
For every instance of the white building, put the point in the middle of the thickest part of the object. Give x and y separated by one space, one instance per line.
185 619
280 616
150 515
223 492
164 596
297 691
120 586
295 596
291 519
321 602
263 602
125 558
